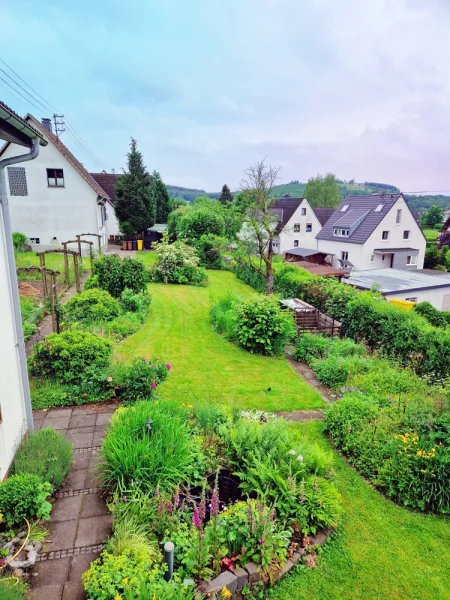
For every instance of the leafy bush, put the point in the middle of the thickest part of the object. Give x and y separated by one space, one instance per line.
91 306
123 326
262 327
47 454
223 316
19 240
178 263
432 315
23 497
311 345
135 303
210 248
197 222
334 371
28 330
91 282
157 454
140 379
66 356
115 274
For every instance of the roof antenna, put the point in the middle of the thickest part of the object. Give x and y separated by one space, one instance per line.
59 124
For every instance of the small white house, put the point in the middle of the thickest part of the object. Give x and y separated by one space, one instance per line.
373 232
297 223
415 286
53 198
16 416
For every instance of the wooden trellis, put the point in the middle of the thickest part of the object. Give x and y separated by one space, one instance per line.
66 253
97 235
79 242
53 295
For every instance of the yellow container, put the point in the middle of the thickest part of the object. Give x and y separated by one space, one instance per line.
140 244
404 304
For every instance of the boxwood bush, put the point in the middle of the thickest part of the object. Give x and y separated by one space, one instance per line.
90 306
67 356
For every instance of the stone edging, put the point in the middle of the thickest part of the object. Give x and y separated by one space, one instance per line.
252 574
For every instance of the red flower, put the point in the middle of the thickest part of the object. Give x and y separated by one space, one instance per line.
153 385
168 366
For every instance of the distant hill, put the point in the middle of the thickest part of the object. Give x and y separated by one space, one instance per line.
296 189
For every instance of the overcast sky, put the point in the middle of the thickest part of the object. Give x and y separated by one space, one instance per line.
207 87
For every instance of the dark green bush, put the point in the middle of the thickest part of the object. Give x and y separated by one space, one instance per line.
432 315
24 497
91 306
335 371
47 454
115 274
67 356
19 240
197 222
140 379
91 282
312 345
262 327
210 248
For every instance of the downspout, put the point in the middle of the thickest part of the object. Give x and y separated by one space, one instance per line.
20 343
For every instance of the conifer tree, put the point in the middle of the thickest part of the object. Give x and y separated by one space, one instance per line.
134 205
161 198
226 196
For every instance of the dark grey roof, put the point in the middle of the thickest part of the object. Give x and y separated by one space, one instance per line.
323 213
283 209
391 281
303 252
357 207
392 250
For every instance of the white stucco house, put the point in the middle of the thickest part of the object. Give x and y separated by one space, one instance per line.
53 198
297 223
416 286
16 417
373 232
108 182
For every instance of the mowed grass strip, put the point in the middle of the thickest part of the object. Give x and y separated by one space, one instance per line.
381 551
207 368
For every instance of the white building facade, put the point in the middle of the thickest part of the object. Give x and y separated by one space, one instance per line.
53 198
373 232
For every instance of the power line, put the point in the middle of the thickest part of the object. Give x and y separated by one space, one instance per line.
28 85
427 192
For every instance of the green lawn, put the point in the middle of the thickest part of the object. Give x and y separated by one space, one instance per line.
381 551
52 261
431 235
207 368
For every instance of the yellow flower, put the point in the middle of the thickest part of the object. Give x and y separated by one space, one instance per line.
118 597
125 580
226 593
190 406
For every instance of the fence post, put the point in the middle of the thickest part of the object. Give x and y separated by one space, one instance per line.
77 274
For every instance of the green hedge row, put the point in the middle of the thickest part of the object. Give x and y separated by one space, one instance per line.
404 336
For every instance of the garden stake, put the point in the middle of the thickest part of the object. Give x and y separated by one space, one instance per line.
168 558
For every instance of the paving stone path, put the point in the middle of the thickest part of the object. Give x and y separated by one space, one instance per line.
80 521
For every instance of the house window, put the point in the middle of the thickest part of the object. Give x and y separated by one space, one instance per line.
55 178
296 227
382 257
411 260
344 255
308 227
399 216
385 235
295 243
341 232
372 258
303 211
412 299
406 234
17 181
35 241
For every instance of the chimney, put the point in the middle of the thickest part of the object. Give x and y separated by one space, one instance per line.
47 123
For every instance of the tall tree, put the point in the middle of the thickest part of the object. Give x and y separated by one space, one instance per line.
432 216
226 197
323 191
134 205
161 199
260 222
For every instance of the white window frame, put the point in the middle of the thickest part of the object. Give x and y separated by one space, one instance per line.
411 260
385 239
310 227
296 227
344 255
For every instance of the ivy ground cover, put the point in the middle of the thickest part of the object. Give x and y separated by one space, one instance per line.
207 368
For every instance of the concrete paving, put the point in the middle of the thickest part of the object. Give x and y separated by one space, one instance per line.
80 521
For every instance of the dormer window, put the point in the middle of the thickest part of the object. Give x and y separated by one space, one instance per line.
344 208
341 232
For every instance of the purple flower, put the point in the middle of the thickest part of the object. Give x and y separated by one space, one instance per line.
170 507
202 508
153 385
261 541
196 518
168 366
272 516
157 491
125 499
177 498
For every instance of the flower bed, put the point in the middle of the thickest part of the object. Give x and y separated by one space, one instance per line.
238 495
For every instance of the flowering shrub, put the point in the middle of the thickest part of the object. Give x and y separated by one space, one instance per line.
139 379
68 355
261 326
178 263
90 306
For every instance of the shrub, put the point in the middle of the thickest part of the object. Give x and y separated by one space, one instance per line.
197 222
24 497
334 371
47 454
91 306
432 315
210 248
28 330
91 282
19 240
140 379
135 303
178 263
223 316
309 346
262 327
157 454
66 356
115 274
123 326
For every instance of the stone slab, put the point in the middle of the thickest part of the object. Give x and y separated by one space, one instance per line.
46 592
82 420
254 572
57 422
75 480
104 418
61 535
242 578
93 506
80 564
51 572
66 509
93 479
98 438
80 440
55 413
80 461
225 579
73 590
93 530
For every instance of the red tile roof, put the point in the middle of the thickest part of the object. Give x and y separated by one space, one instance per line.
108 182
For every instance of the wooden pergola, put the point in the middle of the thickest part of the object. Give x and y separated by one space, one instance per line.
42 254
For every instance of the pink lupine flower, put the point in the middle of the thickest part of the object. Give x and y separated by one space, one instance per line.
153 385
196 518
170 507
202 508
177 498
261 542
272 516
215 502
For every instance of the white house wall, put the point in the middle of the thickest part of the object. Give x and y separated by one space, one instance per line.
113 223
439 298
305 239
361 254
13 425
54 212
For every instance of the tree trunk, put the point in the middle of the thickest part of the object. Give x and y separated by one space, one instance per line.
269 280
